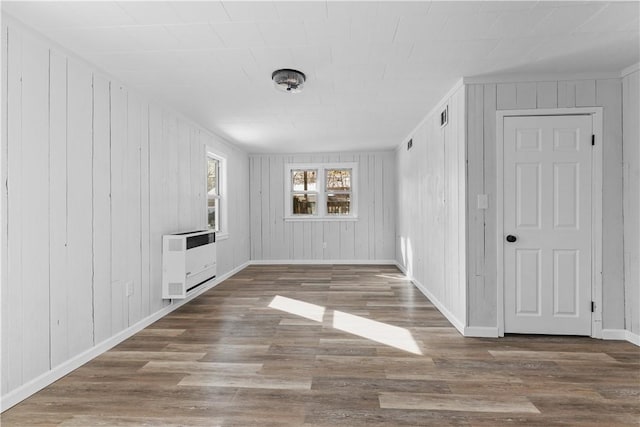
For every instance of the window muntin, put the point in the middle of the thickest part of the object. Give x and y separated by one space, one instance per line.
320 191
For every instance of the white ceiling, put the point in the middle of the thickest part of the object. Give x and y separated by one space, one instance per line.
374 69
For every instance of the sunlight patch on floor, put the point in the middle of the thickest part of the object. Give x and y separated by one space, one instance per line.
299 308
383 333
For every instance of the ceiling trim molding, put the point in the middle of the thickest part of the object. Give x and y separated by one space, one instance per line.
517 78
459 84
630 69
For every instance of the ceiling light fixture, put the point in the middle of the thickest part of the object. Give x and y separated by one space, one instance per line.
289 80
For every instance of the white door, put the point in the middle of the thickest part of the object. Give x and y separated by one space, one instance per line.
547 224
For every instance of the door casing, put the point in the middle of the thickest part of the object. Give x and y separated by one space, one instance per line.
596 194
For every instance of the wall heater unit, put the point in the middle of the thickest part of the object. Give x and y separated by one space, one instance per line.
188 260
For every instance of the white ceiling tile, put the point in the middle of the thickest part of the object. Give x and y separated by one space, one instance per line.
239 34
501 6
395 9
283 33
361 30
327 31
310 56
302 10
442 8
614 17
149 37
419 28
566 19
52 14
346 10
147 13
512 48
514 24
251 10
195 36
201 11
468 27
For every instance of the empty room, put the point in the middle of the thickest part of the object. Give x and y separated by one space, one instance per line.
320 213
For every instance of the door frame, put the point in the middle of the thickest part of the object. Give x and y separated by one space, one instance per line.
596 193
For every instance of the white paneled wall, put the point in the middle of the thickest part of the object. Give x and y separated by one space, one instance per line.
431 240
631 158
483 102
370 238
92 177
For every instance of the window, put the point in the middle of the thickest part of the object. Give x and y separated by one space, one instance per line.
216 192
317 191
213 193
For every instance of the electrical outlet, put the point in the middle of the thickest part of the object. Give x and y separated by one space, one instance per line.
129 288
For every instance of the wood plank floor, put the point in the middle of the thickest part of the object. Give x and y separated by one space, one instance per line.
337 345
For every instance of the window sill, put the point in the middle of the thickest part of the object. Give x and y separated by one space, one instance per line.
320 218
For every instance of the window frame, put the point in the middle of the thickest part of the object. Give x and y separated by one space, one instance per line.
321 210
221 211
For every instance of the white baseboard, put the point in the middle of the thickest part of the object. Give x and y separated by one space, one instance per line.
435 301
16 396
322 261
621 334
481 331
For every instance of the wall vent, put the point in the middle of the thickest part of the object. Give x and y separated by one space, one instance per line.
409 144
444 116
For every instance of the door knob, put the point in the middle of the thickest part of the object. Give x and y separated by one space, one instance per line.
511 238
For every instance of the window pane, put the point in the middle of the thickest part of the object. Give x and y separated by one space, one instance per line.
338 204
304 180
212 213
213 193
338 179
212 176
304 204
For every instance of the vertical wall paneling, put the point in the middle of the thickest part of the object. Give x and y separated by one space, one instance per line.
547 95
145 244
277 197
609 96
34 207
92 177
526 94
172 146
4 291
255 170
12 303
265 200
361 230
131 175
605 93
566 94
475 187
119 210
485 314
184 179
431 202
101 209
631 187
79 206
157 200
585 93
371 237
506 96
198 181
58 208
